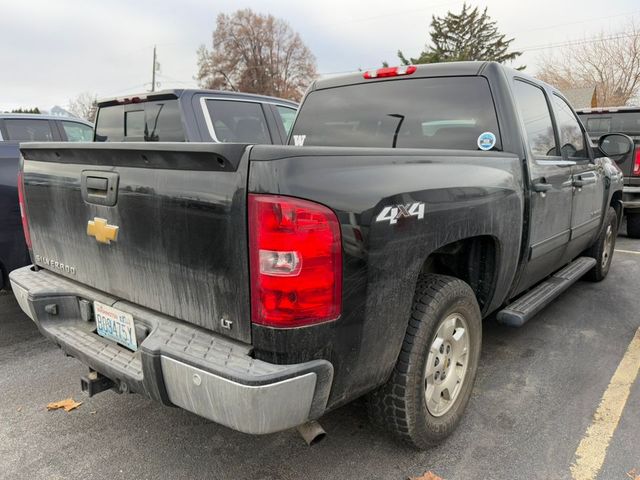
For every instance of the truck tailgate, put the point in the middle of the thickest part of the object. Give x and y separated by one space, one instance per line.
180 213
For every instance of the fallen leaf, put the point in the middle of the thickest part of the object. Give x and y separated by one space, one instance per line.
68 405
427 476
634 474
19 409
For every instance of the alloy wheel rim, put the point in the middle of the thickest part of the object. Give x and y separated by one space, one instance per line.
608 244
446 366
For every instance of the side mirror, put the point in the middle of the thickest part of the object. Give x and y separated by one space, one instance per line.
615 145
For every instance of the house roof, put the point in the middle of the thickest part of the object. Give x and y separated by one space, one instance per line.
580 97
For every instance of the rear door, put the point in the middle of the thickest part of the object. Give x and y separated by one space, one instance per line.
588 177
160 225
551 184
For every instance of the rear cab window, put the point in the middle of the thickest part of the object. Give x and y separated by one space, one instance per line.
433 112
238 121
149 121
598 124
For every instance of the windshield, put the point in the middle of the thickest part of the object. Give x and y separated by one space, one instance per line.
607 122
154 121
447 113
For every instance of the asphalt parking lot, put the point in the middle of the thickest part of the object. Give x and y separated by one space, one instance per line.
537 391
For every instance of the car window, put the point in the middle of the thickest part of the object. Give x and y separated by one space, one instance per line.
28 130
445 113
77 132
620 122
237 121
288 115
152 121
534 110
572 144
134 123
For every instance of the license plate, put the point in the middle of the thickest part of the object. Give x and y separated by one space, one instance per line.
115 325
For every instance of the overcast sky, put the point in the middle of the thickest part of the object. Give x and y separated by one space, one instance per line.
53 50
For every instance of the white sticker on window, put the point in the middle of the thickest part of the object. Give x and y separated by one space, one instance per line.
298 140
486 141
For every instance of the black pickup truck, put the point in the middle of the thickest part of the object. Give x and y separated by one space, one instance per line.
260 286
600 121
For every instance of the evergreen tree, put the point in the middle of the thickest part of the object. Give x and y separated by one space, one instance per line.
26 110
469 35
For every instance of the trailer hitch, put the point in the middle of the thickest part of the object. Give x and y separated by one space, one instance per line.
94 383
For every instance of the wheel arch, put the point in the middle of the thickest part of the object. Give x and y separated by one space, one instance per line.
473 260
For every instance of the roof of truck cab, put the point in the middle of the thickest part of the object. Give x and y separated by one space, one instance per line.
184 92
39 116
608 109
448 69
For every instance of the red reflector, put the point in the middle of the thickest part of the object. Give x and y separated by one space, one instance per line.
295 261
128 101
390 72
636 163
23 210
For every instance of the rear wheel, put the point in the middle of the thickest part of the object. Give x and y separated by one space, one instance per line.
602 248
633 225
431 384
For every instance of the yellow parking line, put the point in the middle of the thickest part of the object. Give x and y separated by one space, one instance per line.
592 450
627 251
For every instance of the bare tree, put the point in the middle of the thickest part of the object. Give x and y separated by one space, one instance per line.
609 62
256 53
84 106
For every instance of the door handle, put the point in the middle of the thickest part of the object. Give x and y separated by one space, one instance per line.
100 188
541 187
582 181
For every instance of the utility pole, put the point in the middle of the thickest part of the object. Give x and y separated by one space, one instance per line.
153 72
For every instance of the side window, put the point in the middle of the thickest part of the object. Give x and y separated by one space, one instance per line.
288 115
236 121
77 132
28 130
571 137
534 111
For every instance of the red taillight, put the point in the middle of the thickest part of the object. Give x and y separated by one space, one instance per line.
295 261
636 163
23 210
390 72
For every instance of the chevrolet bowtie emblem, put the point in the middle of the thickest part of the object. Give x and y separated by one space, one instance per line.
104 233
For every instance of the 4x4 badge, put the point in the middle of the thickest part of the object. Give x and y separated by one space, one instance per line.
394 213
102 231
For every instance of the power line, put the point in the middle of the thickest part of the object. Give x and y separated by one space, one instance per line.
572 43
564 24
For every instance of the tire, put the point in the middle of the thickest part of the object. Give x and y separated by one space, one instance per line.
633 225
407 405
602 249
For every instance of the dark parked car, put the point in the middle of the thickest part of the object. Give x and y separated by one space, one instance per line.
15 128
195 116
600 121
260 285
